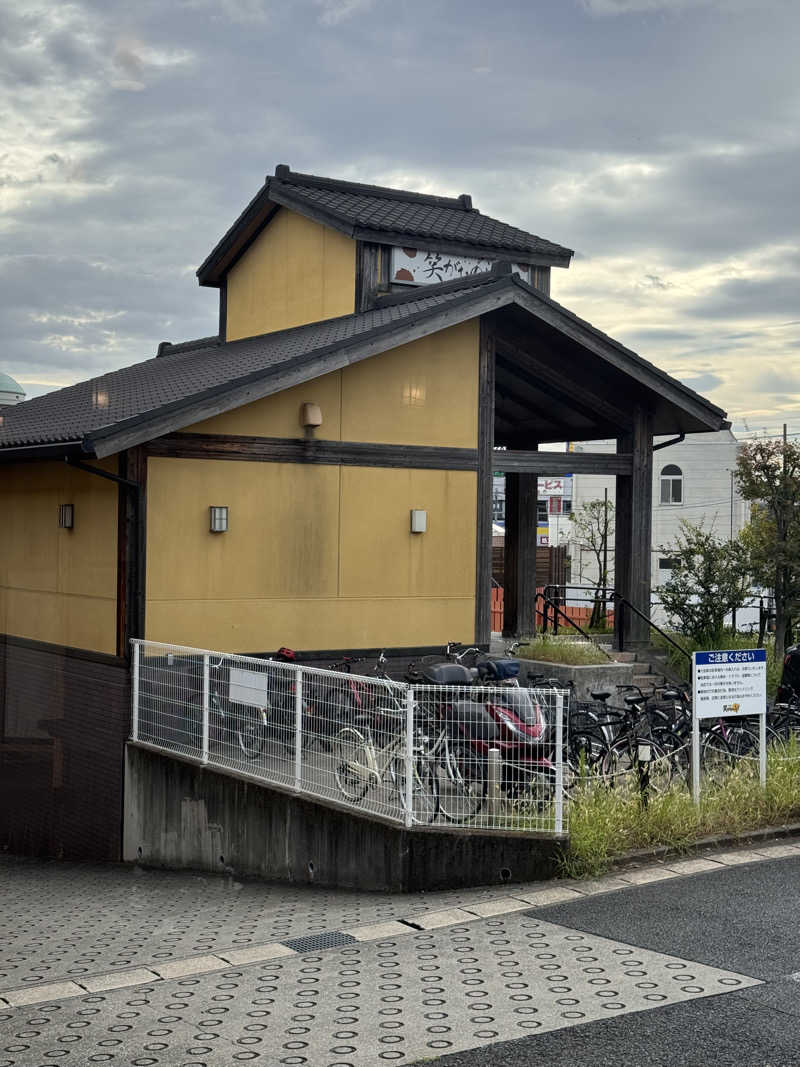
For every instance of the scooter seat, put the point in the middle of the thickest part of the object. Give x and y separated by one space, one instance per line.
446 674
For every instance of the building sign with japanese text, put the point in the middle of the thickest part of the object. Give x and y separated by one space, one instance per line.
547 487
729 683
416 266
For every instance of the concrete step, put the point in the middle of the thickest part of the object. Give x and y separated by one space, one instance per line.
646 681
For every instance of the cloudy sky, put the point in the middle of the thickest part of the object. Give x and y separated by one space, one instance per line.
658 138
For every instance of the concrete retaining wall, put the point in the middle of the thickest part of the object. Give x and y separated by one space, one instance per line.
600 677
179 814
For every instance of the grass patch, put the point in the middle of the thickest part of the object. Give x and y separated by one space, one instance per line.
605 823
558 650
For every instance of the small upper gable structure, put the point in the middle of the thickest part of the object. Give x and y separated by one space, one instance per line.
308 248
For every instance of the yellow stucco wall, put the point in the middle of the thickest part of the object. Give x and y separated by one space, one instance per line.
296 271
424 393
315 557
322 556
58 585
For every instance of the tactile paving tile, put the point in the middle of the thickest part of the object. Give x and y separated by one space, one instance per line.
59 921
399 1000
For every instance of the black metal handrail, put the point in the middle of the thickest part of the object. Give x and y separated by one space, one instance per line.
573 624
618 598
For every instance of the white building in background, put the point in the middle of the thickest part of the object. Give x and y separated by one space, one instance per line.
692 480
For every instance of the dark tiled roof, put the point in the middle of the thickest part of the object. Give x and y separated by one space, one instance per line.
364 210
371 207
191 369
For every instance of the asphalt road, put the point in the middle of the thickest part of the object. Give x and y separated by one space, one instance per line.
743 919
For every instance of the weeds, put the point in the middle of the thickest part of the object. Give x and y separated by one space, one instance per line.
605 822
559 650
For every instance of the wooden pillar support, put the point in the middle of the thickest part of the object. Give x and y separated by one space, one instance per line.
131 549
634 522
519 567
483 570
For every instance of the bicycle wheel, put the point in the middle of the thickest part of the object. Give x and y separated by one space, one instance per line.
461 782
353 759
583 758
716 757
249 730
620 763
424 788
676 751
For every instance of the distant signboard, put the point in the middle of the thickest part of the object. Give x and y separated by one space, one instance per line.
416 266
729 683
548 487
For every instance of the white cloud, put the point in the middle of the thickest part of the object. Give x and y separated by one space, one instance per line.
332 12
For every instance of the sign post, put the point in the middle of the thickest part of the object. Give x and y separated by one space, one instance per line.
727 684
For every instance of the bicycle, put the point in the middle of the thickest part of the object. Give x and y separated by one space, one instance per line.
653 755
371 753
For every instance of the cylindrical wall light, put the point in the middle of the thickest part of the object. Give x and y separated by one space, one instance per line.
66 516
218 519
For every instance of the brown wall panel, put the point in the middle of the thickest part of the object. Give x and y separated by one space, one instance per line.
64 718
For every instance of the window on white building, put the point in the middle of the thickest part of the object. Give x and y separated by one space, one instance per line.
671 484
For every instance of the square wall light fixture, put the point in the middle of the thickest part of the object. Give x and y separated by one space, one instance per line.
218 519
66 516
419 521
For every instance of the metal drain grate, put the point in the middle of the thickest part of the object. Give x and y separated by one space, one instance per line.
314 942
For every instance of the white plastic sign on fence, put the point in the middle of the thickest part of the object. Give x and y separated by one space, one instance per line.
248 687
728 683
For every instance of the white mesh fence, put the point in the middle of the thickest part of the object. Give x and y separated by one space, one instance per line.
487 757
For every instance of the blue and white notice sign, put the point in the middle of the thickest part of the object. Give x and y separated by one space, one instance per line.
729 683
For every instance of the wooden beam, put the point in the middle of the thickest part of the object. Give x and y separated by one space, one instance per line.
519 565
366 275
222 328
624 360
561 463
131 549
293 450
633 534
555 381
483 568
541 379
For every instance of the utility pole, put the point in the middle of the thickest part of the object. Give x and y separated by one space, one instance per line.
733 612
605 551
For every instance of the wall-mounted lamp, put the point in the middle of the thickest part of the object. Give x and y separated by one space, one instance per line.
66 516
419 521
310 418
218 519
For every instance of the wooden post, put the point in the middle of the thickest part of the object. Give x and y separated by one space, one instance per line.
483 568
633 534
519 582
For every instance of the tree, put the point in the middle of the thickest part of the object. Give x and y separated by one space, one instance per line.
710 577
768 475
593 526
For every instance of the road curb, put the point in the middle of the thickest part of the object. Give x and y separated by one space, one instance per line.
703 845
